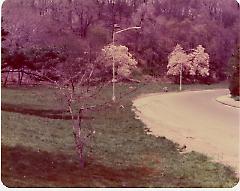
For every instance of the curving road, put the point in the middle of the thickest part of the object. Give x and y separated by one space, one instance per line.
194 119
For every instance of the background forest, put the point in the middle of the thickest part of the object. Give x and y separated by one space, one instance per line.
39 34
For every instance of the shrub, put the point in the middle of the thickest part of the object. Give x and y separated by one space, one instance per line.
234 80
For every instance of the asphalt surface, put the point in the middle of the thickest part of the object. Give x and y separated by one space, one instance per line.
194 119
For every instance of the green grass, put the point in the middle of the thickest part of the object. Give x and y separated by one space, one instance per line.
121 154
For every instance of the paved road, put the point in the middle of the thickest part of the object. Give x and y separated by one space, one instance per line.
194 119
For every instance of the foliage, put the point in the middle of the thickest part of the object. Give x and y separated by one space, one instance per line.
177 58
120 55
44 58
234 86
194 64
200 62
213 24
33 59
189 23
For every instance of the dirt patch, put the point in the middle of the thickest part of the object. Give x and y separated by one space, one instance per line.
22 167
45 113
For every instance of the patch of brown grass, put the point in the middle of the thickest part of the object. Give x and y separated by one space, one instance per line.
22 167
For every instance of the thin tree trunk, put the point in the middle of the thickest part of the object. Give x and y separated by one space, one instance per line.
6 79
80 140
70 13
19 78
72 84
180 87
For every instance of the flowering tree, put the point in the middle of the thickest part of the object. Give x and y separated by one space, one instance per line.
194 64
199 62
178 62
120 56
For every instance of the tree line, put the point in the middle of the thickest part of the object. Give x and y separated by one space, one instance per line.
39 35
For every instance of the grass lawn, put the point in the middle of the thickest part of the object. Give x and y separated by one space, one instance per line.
38 149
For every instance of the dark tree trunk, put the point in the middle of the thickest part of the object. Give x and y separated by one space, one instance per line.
72 84
6 80
19 78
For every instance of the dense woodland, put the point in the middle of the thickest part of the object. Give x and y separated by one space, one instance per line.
68 35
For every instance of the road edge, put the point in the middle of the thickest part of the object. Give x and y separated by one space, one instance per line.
227 100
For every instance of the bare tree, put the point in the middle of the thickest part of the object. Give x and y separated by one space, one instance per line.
78 85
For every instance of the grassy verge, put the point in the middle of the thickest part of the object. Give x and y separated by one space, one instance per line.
39 151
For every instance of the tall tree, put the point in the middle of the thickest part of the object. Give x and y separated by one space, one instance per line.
178 64
200 62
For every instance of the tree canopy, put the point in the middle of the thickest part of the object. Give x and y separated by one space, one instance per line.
82 28
124 61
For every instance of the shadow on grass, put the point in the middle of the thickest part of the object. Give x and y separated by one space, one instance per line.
22 167
46 113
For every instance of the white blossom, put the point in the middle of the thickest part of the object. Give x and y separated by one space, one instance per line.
200 61
124 61
195 63
177 58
